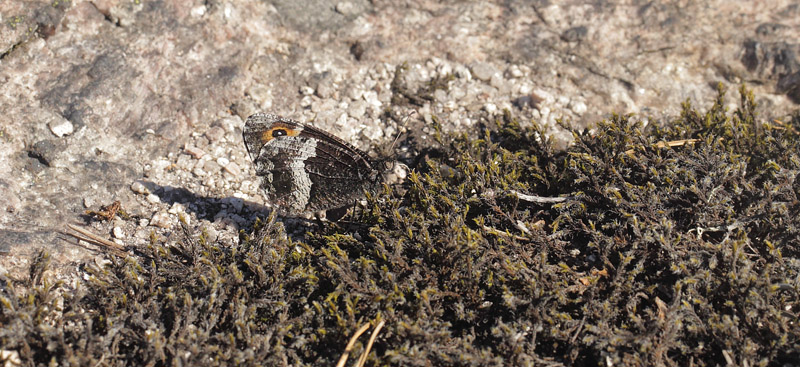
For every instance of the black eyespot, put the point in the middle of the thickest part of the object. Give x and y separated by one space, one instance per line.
278 132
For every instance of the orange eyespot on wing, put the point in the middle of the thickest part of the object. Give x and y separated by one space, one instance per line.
278 130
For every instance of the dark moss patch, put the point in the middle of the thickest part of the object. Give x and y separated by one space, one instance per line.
657 256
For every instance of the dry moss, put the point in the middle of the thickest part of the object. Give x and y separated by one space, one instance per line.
657 256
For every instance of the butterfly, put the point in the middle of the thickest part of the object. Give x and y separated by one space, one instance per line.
305 169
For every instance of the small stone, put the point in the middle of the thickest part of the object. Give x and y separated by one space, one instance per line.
544 111
444 70
198 11
346 8
325 89
153 198
211 167
483 71
578 107
61 127
228 124
354 93
462 72
491 108
306 90
306 101
185 162
139 188
372 98
222 161
210 182
320 106
199 172
233 169
500 83
176 208
117 232
196 153
45 151
215 134
211 233
440 95
88 202
357 109
329 117
161 220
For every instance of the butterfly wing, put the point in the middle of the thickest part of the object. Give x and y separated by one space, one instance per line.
304 168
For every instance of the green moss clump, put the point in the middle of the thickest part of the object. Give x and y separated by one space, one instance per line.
656 256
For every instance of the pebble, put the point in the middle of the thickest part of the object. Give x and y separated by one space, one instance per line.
153 198
185 162
228 123
371 97
233 169
61 127
578 107
196 153
329 117
544 111
117 232
161 220
444 70
346 8
198 170
357 109
139 188
462 72
211 233
198 11
306 90
325 89
354 93
483 71
500 83
215 134
319 106
176 208
211 167
306 101
440 95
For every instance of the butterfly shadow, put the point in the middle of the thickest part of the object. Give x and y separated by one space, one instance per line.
231 210
238 210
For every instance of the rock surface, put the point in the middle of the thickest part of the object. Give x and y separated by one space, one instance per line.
143 102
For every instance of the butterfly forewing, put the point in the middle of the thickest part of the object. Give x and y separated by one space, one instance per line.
306 169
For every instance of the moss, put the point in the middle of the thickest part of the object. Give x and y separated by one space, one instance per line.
656 256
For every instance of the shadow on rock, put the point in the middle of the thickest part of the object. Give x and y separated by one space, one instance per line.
238 210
